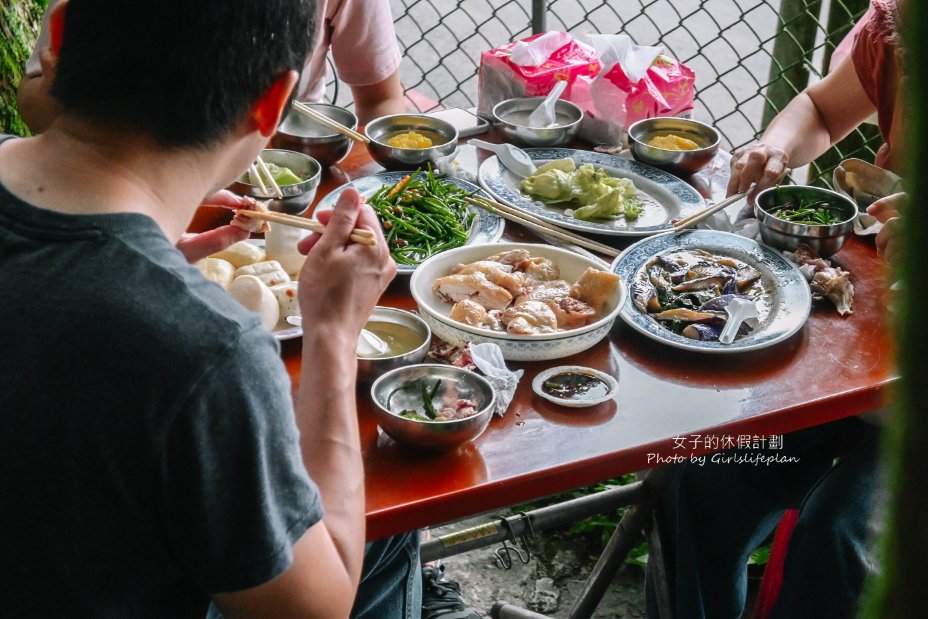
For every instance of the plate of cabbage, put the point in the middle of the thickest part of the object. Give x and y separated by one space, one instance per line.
593 192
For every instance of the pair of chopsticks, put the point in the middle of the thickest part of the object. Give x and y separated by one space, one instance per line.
358 235
255 171
539 225
324 120
695 218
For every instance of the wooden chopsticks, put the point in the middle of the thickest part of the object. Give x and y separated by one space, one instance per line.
324 120
539 225
255 171
358 235
695 218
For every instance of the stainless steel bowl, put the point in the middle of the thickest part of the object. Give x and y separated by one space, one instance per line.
298 196
304 135
511 116
824 239
382 129
369 368
399 389
682 162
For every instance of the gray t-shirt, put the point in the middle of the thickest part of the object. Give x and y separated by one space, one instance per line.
148 449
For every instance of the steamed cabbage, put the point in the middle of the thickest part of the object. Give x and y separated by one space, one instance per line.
598 195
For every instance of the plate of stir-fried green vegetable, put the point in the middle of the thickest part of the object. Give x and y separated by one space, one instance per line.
423 213
593 192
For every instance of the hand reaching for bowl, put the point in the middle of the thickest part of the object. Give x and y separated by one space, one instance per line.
195 247
758 163
341 280
888 210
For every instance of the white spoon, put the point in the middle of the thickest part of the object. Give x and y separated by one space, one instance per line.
513 157
543 115
738 311
369 344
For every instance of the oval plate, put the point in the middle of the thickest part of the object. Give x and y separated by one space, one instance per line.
486 228
789 303
673 198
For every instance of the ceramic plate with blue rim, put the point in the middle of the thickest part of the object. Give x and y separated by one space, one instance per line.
664 197
785 300
486 228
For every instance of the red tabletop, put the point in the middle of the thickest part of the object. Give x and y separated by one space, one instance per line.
671 403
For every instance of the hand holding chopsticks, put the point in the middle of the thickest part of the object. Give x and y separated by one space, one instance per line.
358 235
324 120
695 218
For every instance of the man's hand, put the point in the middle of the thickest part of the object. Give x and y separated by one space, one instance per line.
195 247
757 163
888 210
341 280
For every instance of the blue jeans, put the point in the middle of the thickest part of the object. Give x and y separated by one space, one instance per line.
712 517
391 580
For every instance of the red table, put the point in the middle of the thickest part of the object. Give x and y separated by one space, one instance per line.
834 367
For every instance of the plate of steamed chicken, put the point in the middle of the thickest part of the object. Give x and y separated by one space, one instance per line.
531 299
680 286
262 274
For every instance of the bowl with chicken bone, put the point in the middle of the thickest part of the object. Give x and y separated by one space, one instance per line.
537 302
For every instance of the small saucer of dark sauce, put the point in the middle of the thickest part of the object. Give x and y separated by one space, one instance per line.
575 386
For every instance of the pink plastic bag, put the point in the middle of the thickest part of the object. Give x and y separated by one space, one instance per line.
609 98
499 78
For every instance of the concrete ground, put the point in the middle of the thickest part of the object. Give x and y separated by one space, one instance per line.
548 583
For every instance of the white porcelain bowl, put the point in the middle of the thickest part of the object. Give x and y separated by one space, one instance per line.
434 310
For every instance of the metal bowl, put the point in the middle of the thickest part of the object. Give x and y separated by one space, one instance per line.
511 116
824 239
382 129
302 134
400 388
298 196
369 368
682 162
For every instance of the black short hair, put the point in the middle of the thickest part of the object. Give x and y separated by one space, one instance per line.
183 72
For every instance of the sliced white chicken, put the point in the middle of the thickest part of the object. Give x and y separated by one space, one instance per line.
595 288
498 273
468 312
513 258
530 318
475 286
571 313
544 291
252 224
540 269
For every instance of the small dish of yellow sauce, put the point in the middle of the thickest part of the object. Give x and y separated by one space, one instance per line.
672 141
409 139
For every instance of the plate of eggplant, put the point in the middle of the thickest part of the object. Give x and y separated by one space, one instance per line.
680 285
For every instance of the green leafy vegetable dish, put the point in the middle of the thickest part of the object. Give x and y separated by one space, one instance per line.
422 215
806 211
597 195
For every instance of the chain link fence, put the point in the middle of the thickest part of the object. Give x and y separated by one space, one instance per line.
750 56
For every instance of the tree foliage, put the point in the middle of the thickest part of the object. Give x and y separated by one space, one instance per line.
19 23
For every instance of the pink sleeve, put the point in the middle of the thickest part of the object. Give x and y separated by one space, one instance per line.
364 45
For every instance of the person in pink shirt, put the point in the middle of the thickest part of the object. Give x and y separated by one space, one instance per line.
358 33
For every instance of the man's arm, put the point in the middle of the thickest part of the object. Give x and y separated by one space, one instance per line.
379 99
340 283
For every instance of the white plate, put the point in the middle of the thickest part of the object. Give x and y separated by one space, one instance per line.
671 198
486 228
786 309
576 369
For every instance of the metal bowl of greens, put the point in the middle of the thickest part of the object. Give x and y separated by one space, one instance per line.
791 215
297 175
435 407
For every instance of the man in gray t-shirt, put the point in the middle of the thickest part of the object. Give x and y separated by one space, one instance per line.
150 457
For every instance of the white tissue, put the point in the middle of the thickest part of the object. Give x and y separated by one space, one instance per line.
489 359
536 52
618 48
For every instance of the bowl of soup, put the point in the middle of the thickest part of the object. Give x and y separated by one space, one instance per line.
405 335
300 133
511 118
410 141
